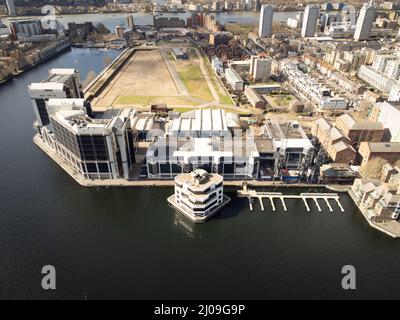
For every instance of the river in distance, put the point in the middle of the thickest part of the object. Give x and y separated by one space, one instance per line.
110 20
128 243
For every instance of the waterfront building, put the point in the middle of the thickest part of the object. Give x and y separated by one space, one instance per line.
233 158
265 24
61 83
310 19
378 200
198 194
94 148
287 139
168 22
364 22
26 27
359 131
11 8
234 80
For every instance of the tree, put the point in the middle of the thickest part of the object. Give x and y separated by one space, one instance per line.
373 168
89 78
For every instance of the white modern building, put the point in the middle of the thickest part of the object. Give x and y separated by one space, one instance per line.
310 20
364 22
234 80
376 79
389 116
61 83
384 72
395 93
198 195
94 148
309 89
233 158
265 24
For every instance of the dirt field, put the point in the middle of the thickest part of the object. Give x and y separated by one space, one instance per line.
145 74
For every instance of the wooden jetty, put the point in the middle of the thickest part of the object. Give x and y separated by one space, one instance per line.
253 194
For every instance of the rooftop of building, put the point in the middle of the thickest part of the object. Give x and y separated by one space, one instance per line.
352 124
383 147
199 179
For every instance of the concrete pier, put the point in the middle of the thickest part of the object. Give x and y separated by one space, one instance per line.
252 194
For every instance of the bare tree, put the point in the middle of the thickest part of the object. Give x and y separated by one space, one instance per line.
89 78
373 168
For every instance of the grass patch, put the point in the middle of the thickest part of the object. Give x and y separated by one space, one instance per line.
237 28
146 100
193 79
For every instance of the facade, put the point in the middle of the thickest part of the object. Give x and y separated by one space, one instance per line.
334 142
359 131
234 80
380 200
130 22
26 27
61 83
388 114
376 79
310 89
254 98
388 151
95 148
260 68
11 8
364 22
395 93
232 158
198 194
310 19
265 25
289 139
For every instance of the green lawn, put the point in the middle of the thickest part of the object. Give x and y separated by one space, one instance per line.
146 100
193 79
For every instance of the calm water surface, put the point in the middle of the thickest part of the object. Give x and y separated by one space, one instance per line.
128 243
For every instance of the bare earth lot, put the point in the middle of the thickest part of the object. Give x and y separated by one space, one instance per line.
145 74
